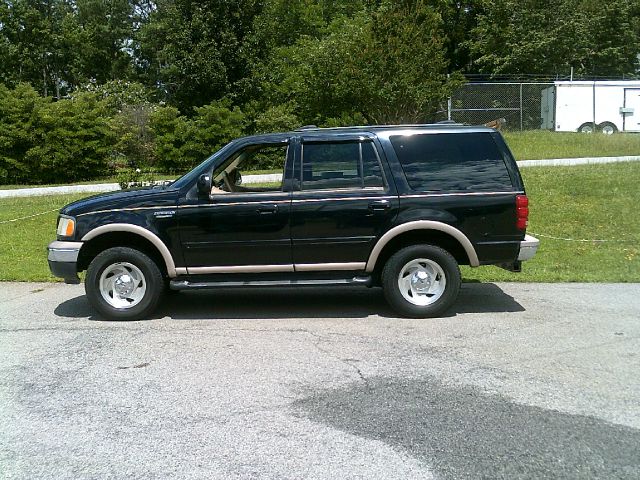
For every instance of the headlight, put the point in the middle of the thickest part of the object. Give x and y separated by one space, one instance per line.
66 226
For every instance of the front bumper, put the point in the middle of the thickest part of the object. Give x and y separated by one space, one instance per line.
63 259
528 248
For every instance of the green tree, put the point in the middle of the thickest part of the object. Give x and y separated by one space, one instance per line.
33 35
366 64
193 50
534 36
101 32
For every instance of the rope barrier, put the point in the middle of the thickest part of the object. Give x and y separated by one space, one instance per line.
584 240
29 216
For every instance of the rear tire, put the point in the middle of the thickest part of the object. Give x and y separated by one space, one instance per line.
123 284
421 281
607 128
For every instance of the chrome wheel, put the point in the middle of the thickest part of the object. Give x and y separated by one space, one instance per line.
122 285
422 281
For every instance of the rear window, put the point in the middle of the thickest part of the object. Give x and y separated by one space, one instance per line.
452 162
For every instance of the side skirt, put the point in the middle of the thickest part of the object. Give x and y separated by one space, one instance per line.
198 284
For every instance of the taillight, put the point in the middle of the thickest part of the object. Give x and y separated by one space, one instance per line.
522 212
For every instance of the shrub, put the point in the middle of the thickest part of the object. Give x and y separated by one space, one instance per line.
73 141
181 143
19 111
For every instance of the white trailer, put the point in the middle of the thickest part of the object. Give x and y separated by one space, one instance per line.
583 106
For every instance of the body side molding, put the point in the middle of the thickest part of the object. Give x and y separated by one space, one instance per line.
143 232
240 269
328 267
422 225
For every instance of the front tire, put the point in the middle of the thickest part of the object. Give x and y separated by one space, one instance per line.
123 284
421 281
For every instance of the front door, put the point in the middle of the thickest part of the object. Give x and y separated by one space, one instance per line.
244 224
342 206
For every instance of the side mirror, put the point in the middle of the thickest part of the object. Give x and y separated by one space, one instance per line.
204 184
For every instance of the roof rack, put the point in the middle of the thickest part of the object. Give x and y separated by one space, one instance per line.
306 127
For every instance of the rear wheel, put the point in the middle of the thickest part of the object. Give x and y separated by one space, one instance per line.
607 128
123 284
421 281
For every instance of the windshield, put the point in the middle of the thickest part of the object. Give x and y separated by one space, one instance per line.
200 169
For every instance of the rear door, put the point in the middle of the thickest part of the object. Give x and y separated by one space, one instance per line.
343 202
632 109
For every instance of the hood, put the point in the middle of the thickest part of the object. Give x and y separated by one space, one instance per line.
139 197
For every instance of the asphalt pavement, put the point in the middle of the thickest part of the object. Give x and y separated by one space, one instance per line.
516 381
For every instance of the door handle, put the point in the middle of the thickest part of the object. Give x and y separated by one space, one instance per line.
267 209
379 205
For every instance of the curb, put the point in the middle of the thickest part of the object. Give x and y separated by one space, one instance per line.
570 162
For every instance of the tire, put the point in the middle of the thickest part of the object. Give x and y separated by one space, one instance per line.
588 127
412 294
607 128
139 289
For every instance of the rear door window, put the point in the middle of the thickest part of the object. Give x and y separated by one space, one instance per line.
452 162
340 165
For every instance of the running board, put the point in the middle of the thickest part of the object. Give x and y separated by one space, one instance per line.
191 285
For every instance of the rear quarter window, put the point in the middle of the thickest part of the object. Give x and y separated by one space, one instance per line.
452 162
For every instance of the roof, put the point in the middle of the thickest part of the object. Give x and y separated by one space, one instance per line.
317 132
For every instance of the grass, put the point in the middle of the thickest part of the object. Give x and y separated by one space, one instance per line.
541 144
23 254
587 202
590 202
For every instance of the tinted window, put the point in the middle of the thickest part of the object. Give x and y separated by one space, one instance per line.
371 166
452 162
340 165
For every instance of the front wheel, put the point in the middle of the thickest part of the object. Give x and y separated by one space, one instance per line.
123 284
421 281
587 128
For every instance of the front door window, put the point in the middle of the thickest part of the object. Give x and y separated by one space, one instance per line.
258 168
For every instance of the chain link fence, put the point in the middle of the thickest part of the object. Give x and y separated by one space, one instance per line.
518 103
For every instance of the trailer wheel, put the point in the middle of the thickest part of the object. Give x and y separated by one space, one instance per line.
587 128
607 128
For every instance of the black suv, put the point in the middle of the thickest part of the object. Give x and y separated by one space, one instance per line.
393 206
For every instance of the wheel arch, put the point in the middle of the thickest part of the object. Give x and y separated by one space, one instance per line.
126 235
423 231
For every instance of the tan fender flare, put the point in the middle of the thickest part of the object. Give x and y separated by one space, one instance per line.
422 225
143 232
